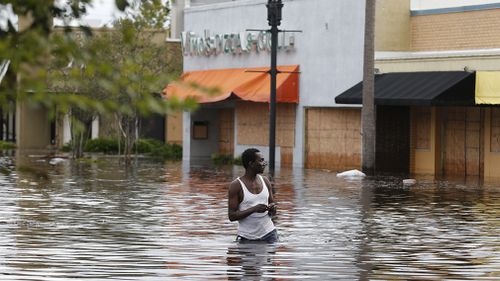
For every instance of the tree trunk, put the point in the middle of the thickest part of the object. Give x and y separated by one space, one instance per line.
368 114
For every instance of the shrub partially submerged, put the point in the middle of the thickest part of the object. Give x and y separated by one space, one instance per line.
7 145
221 159
149 147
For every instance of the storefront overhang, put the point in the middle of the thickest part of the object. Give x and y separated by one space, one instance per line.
250 84
488 87
417 89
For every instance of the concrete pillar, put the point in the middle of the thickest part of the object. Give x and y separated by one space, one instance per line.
177 14
392 25
66 129
32 126
95 128
186 136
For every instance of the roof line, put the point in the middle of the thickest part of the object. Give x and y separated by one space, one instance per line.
460 9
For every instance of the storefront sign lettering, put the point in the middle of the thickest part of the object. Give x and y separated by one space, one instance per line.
233 43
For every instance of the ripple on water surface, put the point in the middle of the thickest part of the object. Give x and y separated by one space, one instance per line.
157 221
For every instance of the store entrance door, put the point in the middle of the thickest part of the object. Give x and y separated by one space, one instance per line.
462 142
226 131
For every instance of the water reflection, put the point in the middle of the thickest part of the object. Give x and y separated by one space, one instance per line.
251 261
99 219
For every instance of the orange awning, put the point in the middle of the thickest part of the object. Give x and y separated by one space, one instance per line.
240 82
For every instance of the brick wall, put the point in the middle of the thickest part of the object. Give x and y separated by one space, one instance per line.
456 31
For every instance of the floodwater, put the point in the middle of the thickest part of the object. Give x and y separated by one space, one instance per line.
97 220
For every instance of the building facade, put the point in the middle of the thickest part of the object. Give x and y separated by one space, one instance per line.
438 131
447 140
330 45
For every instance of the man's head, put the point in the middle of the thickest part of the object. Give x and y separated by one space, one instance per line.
252 159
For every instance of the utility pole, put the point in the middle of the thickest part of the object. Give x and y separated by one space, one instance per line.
368 114
274 8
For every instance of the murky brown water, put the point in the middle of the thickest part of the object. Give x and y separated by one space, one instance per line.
167 222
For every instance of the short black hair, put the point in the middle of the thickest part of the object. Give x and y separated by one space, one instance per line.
248 156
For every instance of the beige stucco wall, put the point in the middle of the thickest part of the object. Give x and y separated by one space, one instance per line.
32 127
173 130
424 160
392 25
456 31
438 61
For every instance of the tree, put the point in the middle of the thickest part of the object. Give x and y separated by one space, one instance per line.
115 73
368 111
134 57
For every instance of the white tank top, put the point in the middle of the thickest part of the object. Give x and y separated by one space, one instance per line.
256 225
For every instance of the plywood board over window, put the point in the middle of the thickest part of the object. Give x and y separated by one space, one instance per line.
226 131
200 130
253 127
253 124
333 139
463 155
421 131
495 130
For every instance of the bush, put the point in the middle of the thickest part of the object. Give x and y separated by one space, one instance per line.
107 146
225 160
7 145
147 145
237 161
167 151
150 147
67 147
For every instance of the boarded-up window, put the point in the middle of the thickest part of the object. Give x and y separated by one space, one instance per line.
253 124
333 139
495 130
421 120
200 130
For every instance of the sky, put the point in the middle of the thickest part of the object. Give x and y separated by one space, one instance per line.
101 13
104 12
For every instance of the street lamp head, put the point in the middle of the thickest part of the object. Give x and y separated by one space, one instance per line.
274 12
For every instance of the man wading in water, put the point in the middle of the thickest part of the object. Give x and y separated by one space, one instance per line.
251 201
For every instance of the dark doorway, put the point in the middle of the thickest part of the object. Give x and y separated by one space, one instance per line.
153 127
393 140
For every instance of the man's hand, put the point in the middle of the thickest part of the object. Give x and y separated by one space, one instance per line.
261 208
272 209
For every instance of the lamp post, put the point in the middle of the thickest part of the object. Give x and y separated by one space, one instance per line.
274 8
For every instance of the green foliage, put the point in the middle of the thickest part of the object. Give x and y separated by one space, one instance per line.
108 146
219 159
167 152
67 147
148 147
7 145
118 72
237 161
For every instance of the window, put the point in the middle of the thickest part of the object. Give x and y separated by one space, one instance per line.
200 130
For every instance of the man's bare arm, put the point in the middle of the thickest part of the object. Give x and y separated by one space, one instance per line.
234 200
272 205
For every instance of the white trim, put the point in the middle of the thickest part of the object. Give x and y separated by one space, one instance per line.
381 56
95 128
223 5
4 66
